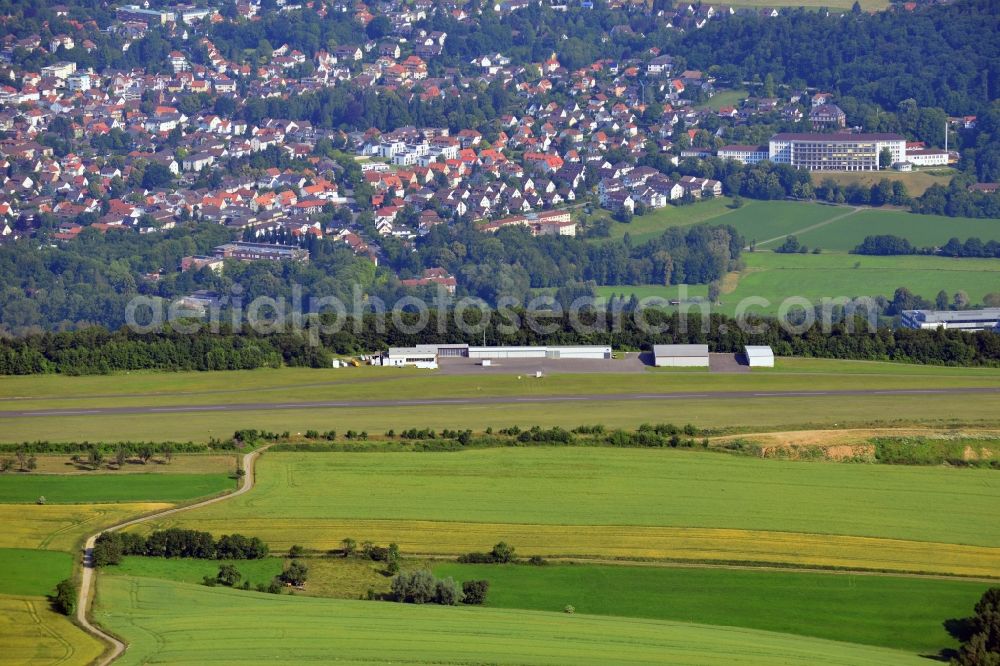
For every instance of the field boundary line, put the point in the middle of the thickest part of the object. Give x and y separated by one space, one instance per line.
87 582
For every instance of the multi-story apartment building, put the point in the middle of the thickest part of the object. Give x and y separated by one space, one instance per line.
835 152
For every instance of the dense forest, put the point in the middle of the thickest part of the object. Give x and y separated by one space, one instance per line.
98 351
91 279
511 262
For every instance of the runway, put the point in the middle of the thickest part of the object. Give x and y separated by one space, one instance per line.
487 400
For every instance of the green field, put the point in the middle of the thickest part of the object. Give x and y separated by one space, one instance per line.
776 277
761 221
837 228
34 635
570 502
26 571
186 570
178 623
900 613
921 230
76 488
651 225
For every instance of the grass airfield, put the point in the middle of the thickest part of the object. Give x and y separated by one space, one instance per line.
626 517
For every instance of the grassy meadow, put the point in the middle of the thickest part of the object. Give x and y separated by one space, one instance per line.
179 623
569 502
188 570
921 230
916 182
32 634
776 277
900 613
25 571
78 489
832 228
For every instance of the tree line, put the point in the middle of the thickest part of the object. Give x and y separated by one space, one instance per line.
888 245
124 350
111 547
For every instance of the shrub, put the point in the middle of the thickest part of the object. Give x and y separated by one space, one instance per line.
64 600
569 609
475 591
446 592
296 551
228 575
416 587
502 553
295 574
476 558
537 561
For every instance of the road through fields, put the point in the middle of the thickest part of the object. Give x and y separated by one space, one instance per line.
493 400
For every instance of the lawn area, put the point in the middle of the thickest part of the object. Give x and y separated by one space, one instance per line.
725 98
186 570
651 225
916 182
62 526
776 277
622 503
76 488
921 230
31 633
178 623
900 613
25 571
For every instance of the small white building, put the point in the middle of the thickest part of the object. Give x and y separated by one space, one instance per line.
680 356
415 357
759 356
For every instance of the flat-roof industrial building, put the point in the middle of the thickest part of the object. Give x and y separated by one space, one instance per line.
986 319
425 354
680 356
